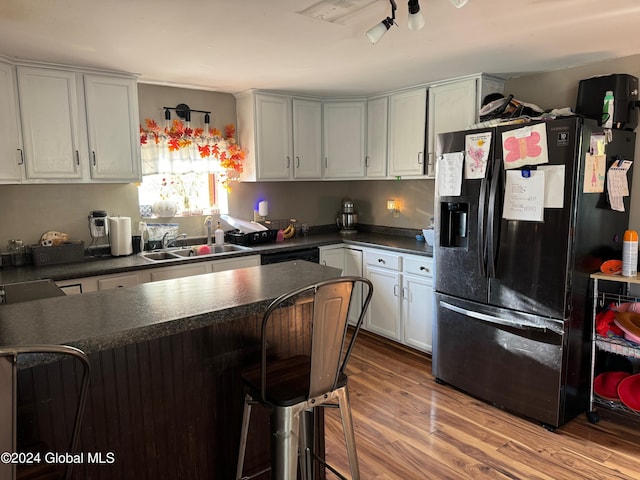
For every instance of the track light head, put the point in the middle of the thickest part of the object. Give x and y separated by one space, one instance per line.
375 33
458 3
416 20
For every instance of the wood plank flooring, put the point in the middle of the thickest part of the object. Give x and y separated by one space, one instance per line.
409 427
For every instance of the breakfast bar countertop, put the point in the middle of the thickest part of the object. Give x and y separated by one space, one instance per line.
113 318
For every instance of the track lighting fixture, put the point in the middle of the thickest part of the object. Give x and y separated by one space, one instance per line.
458 3
375 33
416 20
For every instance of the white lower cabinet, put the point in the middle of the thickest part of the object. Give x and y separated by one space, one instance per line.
417 302
349 260
402 305
129 279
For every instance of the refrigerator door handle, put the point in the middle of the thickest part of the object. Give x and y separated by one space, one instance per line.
492 319
482 245
491 261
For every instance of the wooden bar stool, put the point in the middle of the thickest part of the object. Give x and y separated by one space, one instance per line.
8 409
312 377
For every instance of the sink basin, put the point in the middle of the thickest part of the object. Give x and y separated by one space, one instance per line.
157 256
184 252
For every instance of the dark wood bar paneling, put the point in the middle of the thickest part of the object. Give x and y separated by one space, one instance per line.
167 408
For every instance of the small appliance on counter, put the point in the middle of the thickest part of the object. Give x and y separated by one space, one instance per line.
99 228
347 220
248 233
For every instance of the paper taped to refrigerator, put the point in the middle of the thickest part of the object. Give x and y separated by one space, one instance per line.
450 174
524 196
525 146
617 184
594 173
553 185
477 146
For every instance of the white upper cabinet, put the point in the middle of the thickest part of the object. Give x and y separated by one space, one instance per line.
112 125
407 122
307 138
377 131
50 124
344 139
282 137
454 106
78 127
273 137
11 145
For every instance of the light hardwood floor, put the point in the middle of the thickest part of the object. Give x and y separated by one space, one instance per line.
409 427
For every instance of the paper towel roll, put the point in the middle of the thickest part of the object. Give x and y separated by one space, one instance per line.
263 208
120 236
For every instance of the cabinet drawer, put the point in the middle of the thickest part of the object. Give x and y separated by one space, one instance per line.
383 259
422 266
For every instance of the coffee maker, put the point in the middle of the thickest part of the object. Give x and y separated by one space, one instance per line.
99 228
347 220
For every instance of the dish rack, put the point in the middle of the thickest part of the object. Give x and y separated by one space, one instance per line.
611 344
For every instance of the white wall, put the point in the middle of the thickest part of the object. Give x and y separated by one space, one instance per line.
560 89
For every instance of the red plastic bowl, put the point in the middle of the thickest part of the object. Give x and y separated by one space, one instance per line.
606 384
629 392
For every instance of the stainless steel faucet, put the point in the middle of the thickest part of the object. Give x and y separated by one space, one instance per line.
167 243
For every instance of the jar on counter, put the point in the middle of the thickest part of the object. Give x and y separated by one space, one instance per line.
18 252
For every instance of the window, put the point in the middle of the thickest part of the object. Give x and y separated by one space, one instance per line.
192 193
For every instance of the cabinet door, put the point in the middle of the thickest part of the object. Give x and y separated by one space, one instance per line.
452 107
353 266
112 121
307 138
333 257
407 122
344 135
11 145
167 273
118 281
273 137
234 263
50 123
383 315
417 311
377 132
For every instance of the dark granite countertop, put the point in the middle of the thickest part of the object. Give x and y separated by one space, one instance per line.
108 319
92 266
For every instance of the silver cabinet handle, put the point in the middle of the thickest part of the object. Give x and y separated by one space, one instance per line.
94 157
395 290
405 293
77 157
419 158
366 161
297 162
21 156
288 162
326 162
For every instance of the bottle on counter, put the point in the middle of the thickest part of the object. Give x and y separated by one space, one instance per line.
17 250
219 235
630 254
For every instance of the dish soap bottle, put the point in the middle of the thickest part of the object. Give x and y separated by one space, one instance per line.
219 235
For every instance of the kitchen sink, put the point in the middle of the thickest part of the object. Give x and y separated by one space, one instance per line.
184 252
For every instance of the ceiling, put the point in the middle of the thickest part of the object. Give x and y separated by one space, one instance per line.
234 45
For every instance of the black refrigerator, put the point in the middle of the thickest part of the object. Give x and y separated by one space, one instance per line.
512 297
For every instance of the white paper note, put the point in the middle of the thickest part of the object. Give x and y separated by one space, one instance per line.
449 174
477 146
524 196
617 185
553 185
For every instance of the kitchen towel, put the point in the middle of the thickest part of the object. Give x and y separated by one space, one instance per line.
120 236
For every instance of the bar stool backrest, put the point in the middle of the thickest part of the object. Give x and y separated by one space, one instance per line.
329 350
8 398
